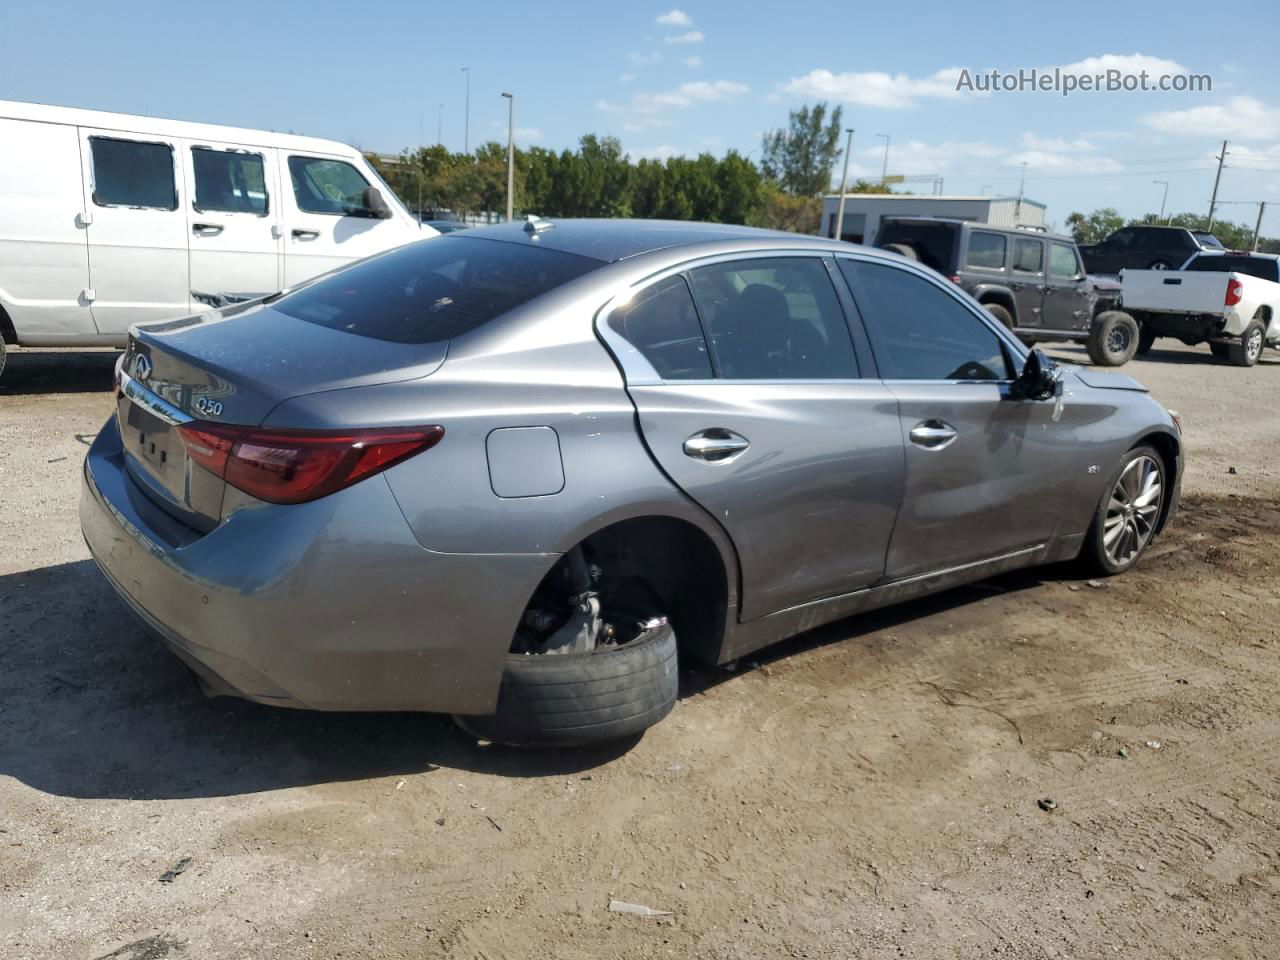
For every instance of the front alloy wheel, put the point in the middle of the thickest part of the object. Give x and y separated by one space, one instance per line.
1126 518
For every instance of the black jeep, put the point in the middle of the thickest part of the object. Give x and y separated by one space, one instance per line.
1031 282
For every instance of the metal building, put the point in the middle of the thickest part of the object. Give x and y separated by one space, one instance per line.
863 211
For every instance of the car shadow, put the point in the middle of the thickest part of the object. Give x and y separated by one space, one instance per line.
91 706
33 371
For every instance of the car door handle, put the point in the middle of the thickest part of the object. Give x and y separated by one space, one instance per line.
715 445
305 234
206 229
933 434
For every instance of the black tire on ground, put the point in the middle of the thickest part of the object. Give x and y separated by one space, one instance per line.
1113 338
1001 313
1246 351
903 250
569 700
1146 340
1219 350
1093 553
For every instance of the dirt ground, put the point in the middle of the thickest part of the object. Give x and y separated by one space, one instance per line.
868 790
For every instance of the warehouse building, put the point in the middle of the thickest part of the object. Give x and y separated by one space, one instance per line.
863 211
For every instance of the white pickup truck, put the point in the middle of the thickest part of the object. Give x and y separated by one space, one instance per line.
1229 300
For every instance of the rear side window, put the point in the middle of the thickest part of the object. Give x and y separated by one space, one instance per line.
774 319
1028 255
328 186
133 173
1262 267
434 289
933 244
1062 261
919 332
662 324
229 180
986 250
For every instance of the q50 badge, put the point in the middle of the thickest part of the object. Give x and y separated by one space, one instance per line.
208 408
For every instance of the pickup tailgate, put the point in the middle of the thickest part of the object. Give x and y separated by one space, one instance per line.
1174 291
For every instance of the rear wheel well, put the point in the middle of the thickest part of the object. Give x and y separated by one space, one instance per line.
1167 447
1263 314
672 564
999 297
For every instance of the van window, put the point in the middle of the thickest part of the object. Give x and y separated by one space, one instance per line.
130 173
434 289
229 180
328 186
986 250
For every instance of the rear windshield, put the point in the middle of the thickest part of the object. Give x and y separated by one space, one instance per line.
1208 239
933 243
435 289
1262 267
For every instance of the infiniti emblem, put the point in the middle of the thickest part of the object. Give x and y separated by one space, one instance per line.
142 367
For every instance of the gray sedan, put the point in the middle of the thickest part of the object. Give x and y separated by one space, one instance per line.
518 473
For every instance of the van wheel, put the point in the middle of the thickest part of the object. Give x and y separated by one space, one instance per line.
573 699
1146 340
1113 338
1000 313
1246 351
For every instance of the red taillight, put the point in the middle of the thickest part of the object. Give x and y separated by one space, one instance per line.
1234 288
292 466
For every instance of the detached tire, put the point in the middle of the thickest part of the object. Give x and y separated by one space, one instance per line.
1113 338
902 250
1246 351
569 700
1001 313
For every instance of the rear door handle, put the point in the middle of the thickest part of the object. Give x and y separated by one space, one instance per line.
715 445
933 434
305 234
206 229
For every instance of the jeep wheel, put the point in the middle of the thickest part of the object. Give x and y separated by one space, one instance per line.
1246 351
1001 313
1113 338
902 250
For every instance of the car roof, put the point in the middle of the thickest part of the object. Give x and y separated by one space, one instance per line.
976 225
614 240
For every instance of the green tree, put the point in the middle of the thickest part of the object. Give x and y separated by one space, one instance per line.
800 158
1095 226
784 211
740 187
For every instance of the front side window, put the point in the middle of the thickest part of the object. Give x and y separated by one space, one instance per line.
919 331
1028 255
133 173
1062 260
986 250
774 319
328 186
232 181
433 290
662 324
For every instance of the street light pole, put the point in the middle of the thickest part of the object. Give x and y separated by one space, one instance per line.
1163 199
838 230
466 122
511 155
884 173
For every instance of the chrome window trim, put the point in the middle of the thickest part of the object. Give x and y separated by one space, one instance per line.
152 403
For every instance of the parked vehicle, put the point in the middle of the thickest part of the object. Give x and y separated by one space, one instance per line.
447 226
1229 300
1031 281
518 474
1146 248
108 220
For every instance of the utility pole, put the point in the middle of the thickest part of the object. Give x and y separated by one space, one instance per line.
1022 182
884 173
1257 227
1213 200
1164 199
837 231
466 122
511 155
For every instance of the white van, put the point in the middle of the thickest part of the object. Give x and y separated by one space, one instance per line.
108 220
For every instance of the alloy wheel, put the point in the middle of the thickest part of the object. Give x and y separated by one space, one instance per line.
1118 339
1253 346
1132 511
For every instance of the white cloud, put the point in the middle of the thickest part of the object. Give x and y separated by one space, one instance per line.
1125 63
1063 162
875 89
645 59
1245 118
692 36
688 94
662 152
693 62
917 157
675 18
1056 144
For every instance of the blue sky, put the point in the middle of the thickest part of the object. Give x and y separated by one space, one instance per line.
703 76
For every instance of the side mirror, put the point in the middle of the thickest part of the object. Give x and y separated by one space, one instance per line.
375 204
1040 378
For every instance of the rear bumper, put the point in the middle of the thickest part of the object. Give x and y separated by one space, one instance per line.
329 605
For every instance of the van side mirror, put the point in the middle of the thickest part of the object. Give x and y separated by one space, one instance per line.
375 204
1040 378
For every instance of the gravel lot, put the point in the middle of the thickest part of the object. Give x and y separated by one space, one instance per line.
870 789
